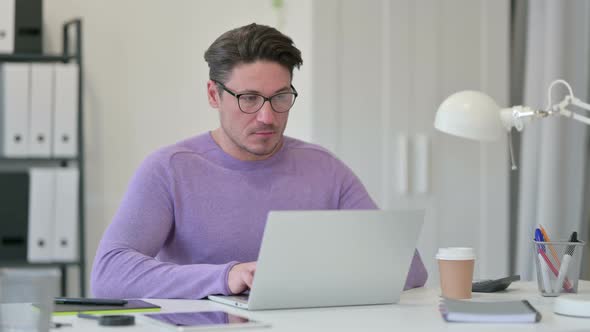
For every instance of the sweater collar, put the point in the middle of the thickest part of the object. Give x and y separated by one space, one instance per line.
225 160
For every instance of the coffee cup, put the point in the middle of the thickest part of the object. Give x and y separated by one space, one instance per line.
456 266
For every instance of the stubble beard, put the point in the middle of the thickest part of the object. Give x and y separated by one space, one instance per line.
259 153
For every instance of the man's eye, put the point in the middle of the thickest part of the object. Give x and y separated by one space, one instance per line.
282 97
250 98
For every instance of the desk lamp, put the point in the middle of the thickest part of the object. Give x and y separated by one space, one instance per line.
475 115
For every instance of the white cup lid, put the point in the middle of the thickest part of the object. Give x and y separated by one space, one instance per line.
455 254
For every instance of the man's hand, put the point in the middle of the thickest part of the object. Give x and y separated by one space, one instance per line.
240 277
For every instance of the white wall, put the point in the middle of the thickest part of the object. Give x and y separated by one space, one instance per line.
145 88
145 80
392 64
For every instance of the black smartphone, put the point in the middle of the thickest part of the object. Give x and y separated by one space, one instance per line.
88 301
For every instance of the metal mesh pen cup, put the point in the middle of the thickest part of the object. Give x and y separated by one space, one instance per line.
558 266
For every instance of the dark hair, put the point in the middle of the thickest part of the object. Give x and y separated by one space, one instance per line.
248 44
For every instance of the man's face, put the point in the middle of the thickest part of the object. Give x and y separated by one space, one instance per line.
250 136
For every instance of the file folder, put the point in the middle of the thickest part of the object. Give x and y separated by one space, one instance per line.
41 109
14 215
65 120
41 214
28 26
14 109
65 240
7 17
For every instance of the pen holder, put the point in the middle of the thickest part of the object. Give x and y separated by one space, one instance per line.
558 266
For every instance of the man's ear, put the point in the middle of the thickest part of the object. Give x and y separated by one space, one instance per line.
213 94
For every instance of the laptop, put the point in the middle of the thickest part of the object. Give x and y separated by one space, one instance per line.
331 258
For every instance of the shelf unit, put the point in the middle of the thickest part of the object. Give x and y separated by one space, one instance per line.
71 53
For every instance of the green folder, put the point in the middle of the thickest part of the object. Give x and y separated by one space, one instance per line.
130 307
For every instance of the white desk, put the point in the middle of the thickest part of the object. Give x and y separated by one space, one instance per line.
417 311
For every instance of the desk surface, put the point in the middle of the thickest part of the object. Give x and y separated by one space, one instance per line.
416 311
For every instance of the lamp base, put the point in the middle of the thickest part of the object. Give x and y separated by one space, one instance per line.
573 305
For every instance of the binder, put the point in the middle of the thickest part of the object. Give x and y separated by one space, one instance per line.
14 109
65 120
14 215
41 109
28 26
41 214
65 240
7 15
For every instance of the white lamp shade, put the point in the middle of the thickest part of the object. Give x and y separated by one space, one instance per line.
470 114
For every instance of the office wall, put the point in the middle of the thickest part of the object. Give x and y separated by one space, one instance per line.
394 62
145 81
145 88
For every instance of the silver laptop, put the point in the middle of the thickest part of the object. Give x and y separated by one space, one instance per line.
331 258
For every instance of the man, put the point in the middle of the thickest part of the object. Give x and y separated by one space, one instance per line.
191 222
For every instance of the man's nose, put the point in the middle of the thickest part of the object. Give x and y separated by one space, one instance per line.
266 114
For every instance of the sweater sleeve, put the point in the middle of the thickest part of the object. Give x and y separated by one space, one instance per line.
126 266
353 195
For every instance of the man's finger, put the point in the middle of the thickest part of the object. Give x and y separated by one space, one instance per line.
252 268
248 278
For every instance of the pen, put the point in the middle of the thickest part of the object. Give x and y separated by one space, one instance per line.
567 257
547 239
56 325
551 266
87 316
541 250
110 320
542 262
567 284
89 301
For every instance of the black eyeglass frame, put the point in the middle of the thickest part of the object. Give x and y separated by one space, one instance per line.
238 95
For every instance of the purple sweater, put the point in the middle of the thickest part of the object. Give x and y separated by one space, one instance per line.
192 212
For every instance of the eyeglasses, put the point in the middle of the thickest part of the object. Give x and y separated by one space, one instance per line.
252 102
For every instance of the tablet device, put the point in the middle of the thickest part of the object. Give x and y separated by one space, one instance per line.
200 320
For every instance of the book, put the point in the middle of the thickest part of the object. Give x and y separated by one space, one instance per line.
489 312
130 307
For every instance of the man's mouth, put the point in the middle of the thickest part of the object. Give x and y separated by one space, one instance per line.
264 133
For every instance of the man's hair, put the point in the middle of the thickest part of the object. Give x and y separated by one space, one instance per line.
248 44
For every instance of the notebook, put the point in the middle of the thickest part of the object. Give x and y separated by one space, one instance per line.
489 312
130 307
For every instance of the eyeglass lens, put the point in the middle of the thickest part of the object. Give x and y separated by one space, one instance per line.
281 102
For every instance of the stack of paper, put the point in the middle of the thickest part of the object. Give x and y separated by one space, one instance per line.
489 312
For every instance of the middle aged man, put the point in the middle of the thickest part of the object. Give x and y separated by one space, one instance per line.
191 222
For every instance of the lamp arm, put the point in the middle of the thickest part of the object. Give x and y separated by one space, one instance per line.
517 116
580 104
575 116
562 110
